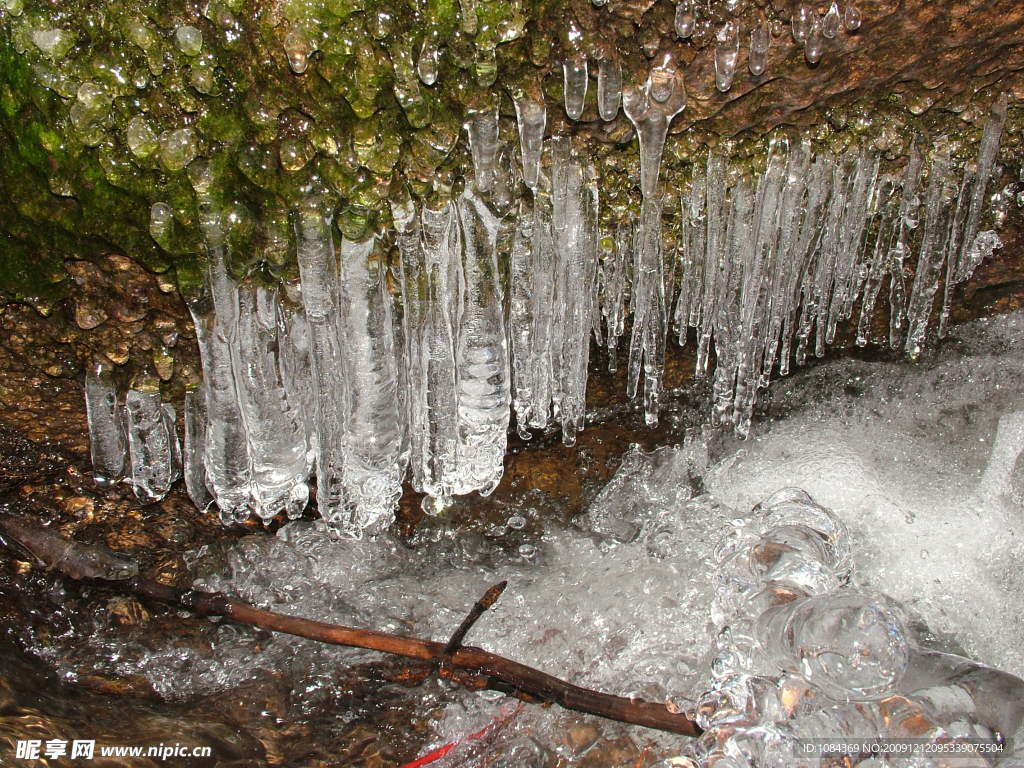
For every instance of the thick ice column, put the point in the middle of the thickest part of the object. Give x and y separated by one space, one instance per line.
106 429
194 468
275 431
374 421
215 315
412 281
318 269
438 276
151 446
481 354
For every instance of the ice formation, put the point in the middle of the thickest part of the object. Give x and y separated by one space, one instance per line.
502 288
133 439
894 535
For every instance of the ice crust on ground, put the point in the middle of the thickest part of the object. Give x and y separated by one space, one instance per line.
919 462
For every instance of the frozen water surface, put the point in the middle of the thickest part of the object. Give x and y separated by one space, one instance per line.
919 461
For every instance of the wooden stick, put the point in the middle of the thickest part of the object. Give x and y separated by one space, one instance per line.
479 607
472 667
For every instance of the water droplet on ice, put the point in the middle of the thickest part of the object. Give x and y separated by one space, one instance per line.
685 20
574 78
803 17
189 40
727 49
851 18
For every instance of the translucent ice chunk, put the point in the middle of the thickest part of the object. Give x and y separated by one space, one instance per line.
150 450
575 81
274 426
531 117
609 88
106 431
849 645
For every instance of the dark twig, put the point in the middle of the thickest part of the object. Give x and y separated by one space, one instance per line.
479 607
472 667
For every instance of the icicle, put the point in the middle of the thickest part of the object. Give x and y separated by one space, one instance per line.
888 207
546 335
971 253
106 430
727 51
929 262
814 46
531 117
195 442
652 118
609 88
428 63
215 318
170 419
684 20
613 295
574 220
714 257
318 269
574 77
907 222
374 465
274 427
482 128
481 354
801 22
830 24
760 38
521 320
150 445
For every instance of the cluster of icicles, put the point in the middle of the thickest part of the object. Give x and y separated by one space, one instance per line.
803 662
497 310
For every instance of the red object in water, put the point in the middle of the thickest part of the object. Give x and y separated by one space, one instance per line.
440 752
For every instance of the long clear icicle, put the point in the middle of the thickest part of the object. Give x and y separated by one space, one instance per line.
318 269
481 354
215 316
375 463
